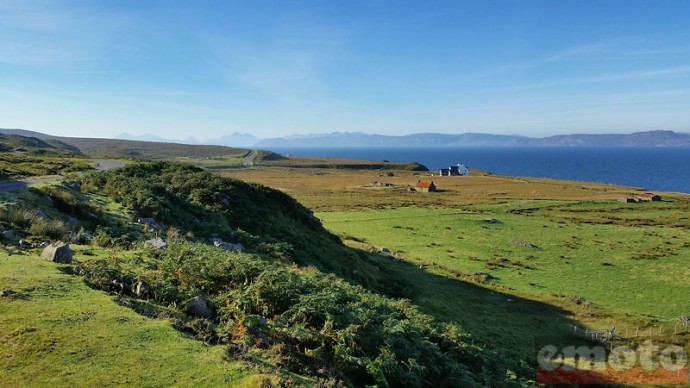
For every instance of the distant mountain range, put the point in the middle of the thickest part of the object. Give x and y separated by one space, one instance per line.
358 139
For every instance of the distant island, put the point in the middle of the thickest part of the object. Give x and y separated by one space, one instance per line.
359 139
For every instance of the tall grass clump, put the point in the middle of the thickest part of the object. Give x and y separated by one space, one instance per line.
53 229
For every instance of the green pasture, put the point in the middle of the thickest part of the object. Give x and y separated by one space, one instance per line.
629 258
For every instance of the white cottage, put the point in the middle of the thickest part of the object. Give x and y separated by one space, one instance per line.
458 170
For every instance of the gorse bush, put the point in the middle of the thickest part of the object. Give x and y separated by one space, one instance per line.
310 322
193 202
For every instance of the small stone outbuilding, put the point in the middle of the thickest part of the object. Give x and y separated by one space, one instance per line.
425 187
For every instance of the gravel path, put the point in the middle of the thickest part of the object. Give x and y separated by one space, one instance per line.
108 164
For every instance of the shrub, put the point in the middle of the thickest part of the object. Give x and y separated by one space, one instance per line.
310 321
54 229
20 217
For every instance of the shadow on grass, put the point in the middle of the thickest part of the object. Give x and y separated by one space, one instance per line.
514 326
12 185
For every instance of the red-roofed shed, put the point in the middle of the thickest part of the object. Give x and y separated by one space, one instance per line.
425 186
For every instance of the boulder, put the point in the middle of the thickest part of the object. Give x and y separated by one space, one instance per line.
228 247
199 307
156 244
150 223
9 235
81 237
385 251
58 252
141 288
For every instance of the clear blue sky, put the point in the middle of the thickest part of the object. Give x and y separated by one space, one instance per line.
209 68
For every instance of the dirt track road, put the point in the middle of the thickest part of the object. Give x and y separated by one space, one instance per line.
249 159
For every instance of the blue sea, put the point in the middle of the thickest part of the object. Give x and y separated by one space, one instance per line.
660 169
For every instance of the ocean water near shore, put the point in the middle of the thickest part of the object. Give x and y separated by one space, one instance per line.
660 169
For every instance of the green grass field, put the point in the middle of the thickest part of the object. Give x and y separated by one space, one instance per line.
625 267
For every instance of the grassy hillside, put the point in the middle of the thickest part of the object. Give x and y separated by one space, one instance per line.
494 244
111 148
187 200
296 302
23 157
18 143
25 166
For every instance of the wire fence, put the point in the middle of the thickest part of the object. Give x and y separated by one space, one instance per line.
630 333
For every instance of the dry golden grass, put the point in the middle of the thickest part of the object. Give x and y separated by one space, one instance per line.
333 189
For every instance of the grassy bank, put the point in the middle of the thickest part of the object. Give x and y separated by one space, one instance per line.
56 331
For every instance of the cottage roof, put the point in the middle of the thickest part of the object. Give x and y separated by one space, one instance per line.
648 195
424 185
